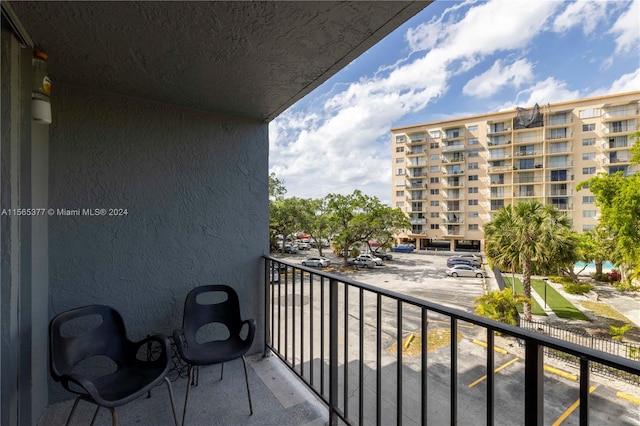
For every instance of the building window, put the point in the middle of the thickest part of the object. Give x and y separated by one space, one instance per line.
399 172
473 128
434 180
586 228
434 226
473 141
588 141
400 139
589 156
473 215
434 191
434 145
588 213
588 170
400 149
434 203
400 182
588 199
588 113
473 177
400 204
399 160
473 166
473 202
497 204
434 215
399 193
473 153
473 227
434 157
589 127
473 190
434 169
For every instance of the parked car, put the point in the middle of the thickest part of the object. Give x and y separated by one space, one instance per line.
473 256
465 271
361 263
383 255
403 248
302 245
367 256
316 261
288 248
462 261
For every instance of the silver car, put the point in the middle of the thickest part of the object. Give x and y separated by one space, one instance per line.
465 271
316 261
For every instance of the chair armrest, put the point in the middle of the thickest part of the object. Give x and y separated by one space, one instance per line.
252 329
179 340
83 383
162 340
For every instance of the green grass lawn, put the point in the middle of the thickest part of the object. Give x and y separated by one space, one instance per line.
560 306
536 309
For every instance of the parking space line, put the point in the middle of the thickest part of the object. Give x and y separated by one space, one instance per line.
560 373
503 366
571 409
628 397
495 348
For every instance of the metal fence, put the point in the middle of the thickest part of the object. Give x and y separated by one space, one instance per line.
344 340
621 349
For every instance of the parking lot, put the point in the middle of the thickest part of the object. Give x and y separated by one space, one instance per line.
422 275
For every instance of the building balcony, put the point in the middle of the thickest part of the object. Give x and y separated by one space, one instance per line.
562 165
333 354
531 153
494 129
452 220
458 231
450 183
414 152
619 159
559 122
419 197
524 194
453 172
417 175
413 164
561 135
560 192
418 221
453 148
459 159
498 143
628 113
453 208
416 140
622 129
615 145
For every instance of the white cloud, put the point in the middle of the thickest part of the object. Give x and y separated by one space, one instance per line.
342 142
585 13
498 76
627 29
626 83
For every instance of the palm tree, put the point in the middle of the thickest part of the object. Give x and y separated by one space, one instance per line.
526 232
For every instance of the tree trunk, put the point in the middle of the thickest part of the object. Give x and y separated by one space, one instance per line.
526 285
599 266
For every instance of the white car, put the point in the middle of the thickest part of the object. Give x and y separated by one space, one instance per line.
368 257
461 270
322 262
471 256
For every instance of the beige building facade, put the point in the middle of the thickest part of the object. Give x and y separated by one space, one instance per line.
451 176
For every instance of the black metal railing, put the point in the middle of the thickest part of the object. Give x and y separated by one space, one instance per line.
614 347
346 341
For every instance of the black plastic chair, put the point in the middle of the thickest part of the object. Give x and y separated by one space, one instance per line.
224 312
133 377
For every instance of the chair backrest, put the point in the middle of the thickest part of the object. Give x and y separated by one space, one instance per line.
225 311
68 347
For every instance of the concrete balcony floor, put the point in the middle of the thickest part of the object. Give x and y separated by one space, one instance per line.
279 398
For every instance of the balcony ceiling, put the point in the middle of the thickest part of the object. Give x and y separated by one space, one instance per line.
247 59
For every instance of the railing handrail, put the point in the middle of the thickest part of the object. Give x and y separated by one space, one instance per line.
517 332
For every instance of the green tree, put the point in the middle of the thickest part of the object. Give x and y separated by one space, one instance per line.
619 200
314 220
528 232
358 218
500 305
276 187
284 217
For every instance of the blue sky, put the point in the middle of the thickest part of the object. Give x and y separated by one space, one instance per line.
453 59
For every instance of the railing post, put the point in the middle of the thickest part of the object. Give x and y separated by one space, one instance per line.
333 351
533 384
584 392
267 311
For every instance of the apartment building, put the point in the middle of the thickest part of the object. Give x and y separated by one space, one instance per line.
451 176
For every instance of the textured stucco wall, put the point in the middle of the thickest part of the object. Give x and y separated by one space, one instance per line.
195 187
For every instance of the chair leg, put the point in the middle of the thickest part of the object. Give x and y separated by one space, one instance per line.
186 397
114 416
95 415
246 379
73 409
173 405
